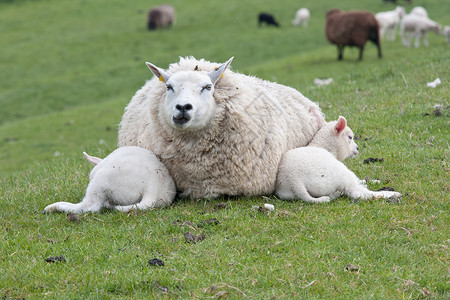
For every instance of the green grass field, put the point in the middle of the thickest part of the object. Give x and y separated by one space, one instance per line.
69 68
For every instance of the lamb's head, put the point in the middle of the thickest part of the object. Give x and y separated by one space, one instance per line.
189 103
337 138
400 11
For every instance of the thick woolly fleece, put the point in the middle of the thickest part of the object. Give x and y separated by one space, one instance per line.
254 123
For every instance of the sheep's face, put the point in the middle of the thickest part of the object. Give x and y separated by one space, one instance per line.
337 138
189 103
349 147
189 100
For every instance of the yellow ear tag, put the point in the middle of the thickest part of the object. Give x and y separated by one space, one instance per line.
161 78
221 75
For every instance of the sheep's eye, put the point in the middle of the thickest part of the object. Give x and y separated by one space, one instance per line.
206 87
350 137
169 87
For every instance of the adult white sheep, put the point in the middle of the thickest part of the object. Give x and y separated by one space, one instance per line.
389 21
301 17
218 132
315 173
413 25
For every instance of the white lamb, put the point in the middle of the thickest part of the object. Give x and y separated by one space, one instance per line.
417 26
128 178
218 132
315 174
389 21
301 17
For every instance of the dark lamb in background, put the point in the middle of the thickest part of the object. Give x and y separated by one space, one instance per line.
353 28
268 19
160 16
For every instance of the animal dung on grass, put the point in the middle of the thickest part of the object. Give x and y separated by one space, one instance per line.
156 262
55 259
192 238
372 160
352 28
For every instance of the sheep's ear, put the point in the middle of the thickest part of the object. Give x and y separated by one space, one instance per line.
162 74
340 125
92 159
215 74
319 118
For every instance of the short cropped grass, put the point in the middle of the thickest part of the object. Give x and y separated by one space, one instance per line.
67 71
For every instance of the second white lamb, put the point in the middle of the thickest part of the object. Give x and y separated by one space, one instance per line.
315 174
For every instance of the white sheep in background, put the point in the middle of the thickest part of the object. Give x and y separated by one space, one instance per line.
218 132
315 174
389 21
419 11
128 178
413 25
301 17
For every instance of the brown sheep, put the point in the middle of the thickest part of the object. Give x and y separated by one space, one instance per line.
161 16
352 28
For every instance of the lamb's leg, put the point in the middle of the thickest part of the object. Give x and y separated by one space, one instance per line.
301 192
88 204
358 191
152 199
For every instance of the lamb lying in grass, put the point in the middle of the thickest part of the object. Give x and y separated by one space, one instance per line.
315 174
128 178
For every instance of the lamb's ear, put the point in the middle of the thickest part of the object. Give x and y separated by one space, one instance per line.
215 74
92 159
162 74
319 118
340 125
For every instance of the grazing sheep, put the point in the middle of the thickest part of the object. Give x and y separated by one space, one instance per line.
352 28
315 174
161 16
301 16
218 132
128 178
389 21
268 19
417 26
419 11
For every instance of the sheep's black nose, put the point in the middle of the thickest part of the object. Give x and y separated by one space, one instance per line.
183 108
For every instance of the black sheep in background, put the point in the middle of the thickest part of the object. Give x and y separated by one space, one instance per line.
268 19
